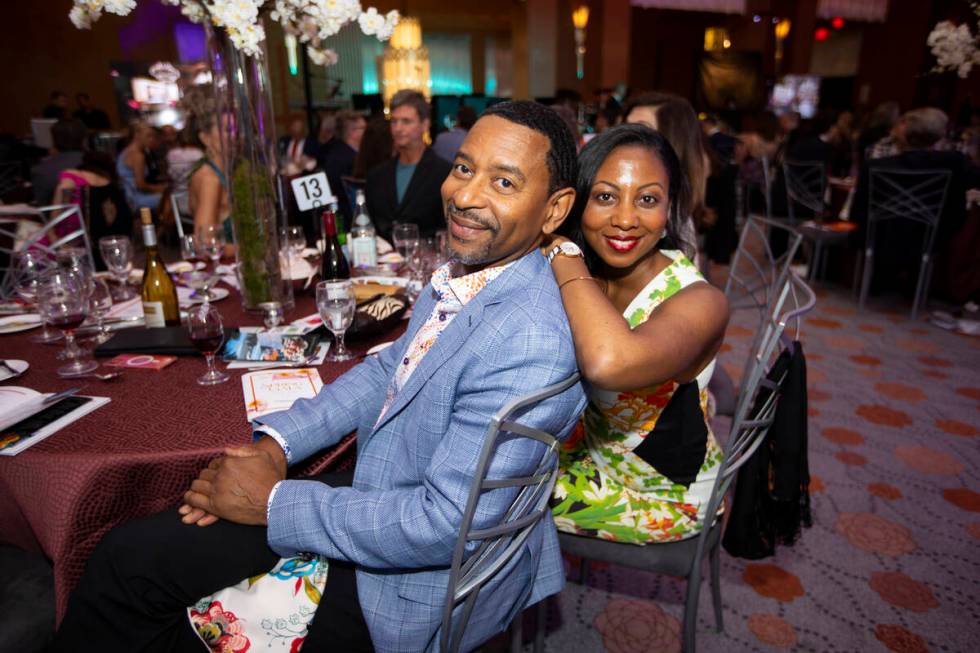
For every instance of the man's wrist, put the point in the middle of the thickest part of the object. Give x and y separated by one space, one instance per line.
273 447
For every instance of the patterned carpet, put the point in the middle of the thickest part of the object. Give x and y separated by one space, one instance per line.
892 562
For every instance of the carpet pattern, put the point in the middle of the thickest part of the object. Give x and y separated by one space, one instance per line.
892 562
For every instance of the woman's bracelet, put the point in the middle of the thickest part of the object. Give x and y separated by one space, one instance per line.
566 281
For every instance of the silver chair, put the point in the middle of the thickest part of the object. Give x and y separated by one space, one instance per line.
48 219
470 571
806 187
182 221
754 412
899 194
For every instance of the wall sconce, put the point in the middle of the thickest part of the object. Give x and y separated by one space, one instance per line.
580 18
405 63
782 31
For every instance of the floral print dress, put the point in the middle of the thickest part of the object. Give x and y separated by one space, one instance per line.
605 489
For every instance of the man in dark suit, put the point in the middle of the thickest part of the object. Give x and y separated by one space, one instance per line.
898 244
407 187
336 157
296 151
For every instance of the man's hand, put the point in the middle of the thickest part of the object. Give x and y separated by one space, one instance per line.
266 448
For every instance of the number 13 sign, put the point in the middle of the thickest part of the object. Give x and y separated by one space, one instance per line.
312 190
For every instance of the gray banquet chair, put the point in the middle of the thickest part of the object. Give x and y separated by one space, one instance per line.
497 545
900 194
754 412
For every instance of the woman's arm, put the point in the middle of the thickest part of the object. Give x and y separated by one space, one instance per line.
137 161
205 198
680 337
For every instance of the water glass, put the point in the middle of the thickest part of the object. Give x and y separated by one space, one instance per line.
207 335
292 240
211 241
336 303
117 252
100 301
272 314
76 260
405 238
30 267
64 302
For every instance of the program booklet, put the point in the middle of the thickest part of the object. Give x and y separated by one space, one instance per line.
279 345
268 391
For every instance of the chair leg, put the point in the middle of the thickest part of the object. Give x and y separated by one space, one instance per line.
691 607
541 626
869 264
517 632
922 285
815 261
715 562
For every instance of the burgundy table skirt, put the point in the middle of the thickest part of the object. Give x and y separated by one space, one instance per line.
132 457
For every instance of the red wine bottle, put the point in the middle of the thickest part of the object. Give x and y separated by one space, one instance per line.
334 264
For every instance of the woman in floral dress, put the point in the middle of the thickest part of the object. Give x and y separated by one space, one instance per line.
646 326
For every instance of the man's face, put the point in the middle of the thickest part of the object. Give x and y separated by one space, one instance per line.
297 129
407 128
496 197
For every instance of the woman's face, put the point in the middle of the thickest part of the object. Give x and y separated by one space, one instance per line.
628 206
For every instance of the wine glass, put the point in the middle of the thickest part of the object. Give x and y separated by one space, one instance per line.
207 334
200 281
117 252
100 299
293 240
405 237
211 242
77 260
65 305
30 267
336 303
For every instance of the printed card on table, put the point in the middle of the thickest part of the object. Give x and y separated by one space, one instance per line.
141 361
268 391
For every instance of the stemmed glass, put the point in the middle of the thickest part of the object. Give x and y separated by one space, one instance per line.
293 240
117 252
65 305
405 237
207 334
29 267
101 301
336 303
211 241
192 249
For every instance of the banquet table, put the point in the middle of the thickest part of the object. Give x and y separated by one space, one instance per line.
134 456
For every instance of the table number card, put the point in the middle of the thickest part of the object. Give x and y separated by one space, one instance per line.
268 391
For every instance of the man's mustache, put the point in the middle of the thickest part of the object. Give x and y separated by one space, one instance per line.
472 215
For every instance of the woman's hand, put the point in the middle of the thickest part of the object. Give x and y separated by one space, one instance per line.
550 241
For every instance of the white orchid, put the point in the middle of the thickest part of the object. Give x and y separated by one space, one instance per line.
311 21
955 47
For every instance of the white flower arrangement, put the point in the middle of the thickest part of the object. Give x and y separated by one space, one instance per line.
955 47
311 21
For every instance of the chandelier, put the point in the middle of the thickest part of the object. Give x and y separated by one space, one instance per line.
405 63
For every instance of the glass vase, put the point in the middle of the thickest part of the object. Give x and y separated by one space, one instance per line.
248 137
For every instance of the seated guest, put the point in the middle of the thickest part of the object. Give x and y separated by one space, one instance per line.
405 188
93 187
93 117
448 142
57 107
336 158
489 329
207 196
646 327
297 153
376 147
898 245
182 161
133 169
68 140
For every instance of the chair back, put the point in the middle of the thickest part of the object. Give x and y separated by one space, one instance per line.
9 177
917 195
51 218
184 222
756 274
806 186
498 544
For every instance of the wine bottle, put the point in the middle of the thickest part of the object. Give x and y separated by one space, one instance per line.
363 245
334 264
160 306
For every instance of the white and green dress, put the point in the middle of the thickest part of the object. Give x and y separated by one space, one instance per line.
640 466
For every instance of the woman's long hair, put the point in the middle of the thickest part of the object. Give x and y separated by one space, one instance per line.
595 153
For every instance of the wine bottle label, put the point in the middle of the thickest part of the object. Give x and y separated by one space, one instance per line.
153 314
365 252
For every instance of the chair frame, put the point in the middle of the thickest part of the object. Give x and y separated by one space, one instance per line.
748 431
806 184
900 194
61 213
500 543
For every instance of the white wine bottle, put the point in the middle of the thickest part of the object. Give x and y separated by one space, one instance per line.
160 306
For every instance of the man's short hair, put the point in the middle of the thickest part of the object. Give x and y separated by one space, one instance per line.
408 97
924 127
544 120
345 120
68 135
465 117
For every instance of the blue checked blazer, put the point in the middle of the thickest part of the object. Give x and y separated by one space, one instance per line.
400 520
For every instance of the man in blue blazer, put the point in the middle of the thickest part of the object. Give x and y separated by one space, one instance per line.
488 329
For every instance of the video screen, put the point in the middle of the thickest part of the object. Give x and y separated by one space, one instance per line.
796 93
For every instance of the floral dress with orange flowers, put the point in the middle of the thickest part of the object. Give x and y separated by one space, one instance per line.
605 488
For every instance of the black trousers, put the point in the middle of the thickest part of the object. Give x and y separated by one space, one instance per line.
144 574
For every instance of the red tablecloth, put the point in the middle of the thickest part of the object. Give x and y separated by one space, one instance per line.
132 457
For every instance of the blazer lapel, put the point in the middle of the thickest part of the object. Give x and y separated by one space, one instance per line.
421 170
390 191
454 335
